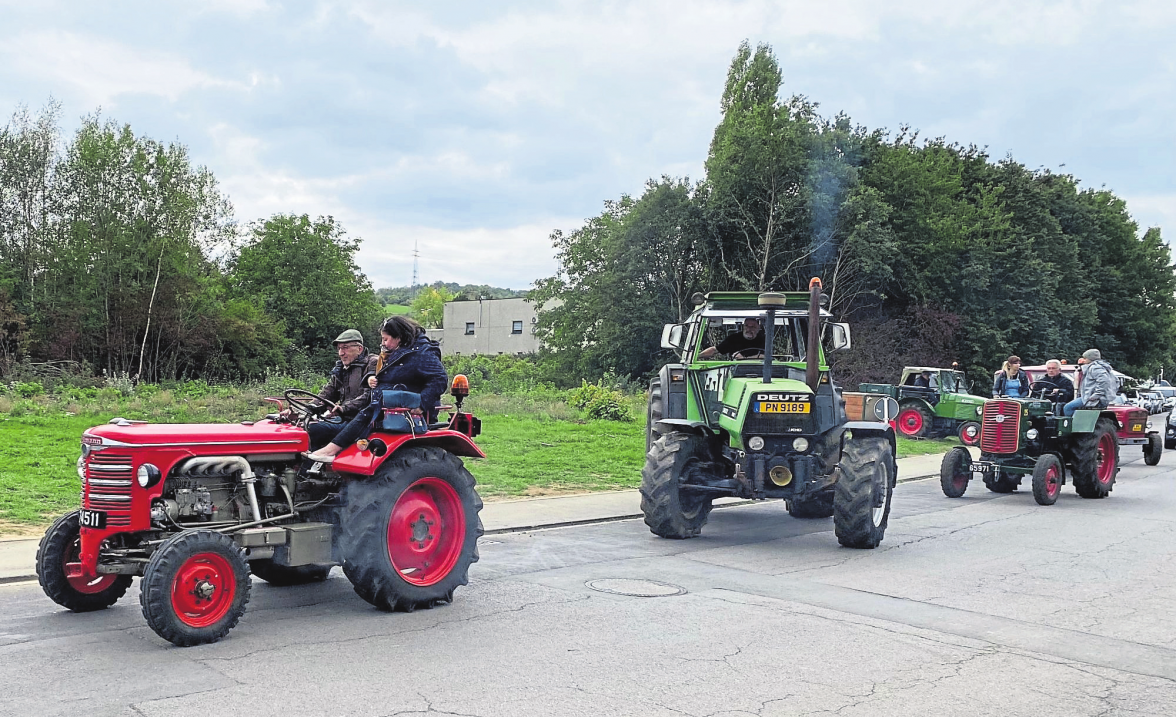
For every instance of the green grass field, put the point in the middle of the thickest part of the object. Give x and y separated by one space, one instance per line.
534 446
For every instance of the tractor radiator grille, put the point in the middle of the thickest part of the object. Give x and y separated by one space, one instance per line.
1000 427
108 487
1136 418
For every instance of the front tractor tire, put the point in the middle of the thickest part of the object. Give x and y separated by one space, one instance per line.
1154 450
195 588
1047 479
914 421
670 512
861 501
811 506
955 472
410 532
62 544
1096 460
654 412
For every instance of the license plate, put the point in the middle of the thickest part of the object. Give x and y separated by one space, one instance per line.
790 407
984 468
1136 427
92 519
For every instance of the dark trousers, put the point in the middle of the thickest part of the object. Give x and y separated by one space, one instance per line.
322 432
354 429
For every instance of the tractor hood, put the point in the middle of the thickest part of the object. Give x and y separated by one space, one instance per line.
783 407
262 436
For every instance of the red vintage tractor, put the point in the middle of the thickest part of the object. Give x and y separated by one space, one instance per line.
193 509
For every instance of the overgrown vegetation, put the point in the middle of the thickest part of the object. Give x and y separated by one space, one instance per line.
933 251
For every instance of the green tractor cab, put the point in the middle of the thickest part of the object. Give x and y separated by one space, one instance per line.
946 408
770 427
1030 437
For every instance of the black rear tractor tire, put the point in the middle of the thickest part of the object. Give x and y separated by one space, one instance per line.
60 545
655 412
195 588
914 421
410 532
819 505
669 511
969 433
861 502
954 472
1047 479
1096 460
1154 450
284 575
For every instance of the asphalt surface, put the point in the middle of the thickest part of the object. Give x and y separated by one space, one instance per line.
985 605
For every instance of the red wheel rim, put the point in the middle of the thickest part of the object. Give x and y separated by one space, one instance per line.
960 480
426 531
203 590
81 583
1106 466
969 439
910 422
1053 482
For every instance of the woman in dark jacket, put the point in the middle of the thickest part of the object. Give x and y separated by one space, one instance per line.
410 362
1011 381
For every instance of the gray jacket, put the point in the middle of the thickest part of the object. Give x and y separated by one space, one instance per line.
1099 384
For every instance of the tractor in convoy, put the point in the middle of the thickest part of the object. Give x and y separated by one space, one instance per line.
194 509
944 408
775 426
1031 437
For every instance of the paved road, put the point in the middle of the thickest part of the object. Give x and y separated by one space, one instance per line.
987 605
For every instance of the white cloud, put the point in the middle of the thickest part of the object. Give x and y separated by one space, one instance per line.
101 70
1154 210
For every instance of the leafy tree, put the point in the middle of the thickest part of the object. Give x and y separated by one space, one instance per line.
303 273
429 306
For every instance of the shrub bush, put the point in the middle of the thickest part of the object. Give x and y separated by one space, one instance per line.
600 402
28 389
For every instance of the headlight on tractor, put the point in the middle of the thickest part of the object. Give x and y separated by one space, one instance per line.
82 468
979 410
1031 434
755 443
147 475
800 445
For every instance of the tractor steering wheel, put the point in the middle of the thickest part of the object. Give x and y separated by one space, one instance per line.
305 408
1041 387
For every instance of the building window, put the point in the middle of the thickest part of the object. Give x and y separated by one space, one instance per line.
516 327
469 328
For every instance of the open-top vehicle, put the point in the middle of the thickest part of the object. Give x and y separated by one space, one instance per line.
775 427
1031 437
192 509
942 409
1131 422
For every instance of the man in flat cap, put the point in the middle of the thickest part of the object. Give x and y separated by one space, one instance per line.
346 388
1098 386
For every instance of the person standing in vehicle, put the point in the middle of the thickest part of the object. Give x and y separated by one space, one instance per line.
1011 381
410 361
345 388
1061 389
1099 384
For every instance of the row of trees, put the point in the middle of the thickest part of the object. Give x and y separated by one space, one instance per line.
119 254
932 250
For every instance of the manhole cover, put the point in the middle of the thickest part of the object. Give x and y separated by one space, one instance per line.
635 588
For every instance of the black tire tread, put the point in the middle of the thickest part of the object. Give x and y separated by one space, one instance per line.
363 539
853 503
1085 465
51 570
661 502
1154 451
655 412
947 472
159 575
1040 468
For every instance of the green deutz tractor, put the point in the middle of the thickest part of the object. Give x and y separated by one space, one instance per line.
945 408
762 428
1030 437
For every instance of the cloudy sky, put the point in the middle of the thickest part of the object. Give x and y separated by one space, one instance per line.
476 128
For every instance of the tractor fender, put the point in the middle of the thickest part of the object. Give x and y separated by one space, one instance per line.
864 428
366 463
682 425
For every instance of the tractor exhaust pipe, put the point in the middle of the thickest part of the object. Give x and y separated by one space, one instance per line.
770 301
813 348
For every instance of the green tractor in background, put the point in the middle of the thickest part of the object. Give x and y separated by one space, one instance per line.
762 428
945 408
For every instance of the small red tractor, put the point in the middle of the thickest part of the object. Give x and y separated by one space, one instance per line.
194 509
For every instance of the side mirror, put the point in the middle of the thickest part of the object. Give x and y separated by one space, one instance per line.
840 337
672 336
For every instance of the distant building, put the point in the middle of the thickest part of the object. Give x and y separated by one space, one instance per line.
488 327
